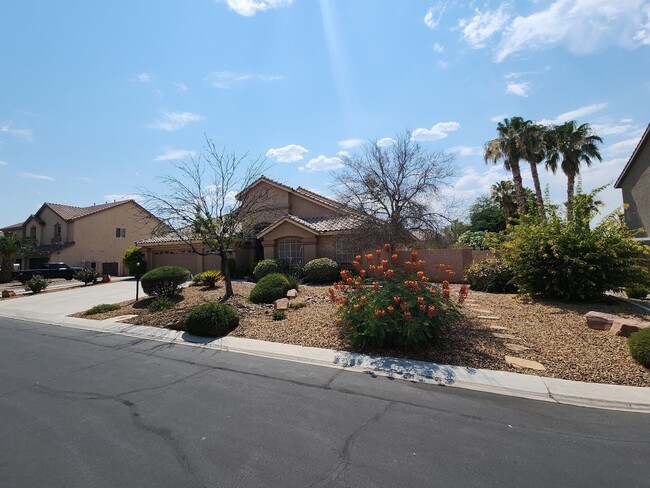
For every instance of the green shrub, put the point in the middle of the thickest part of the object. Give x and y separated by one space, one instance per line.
637 290
279 315
399 310
36 284
639 344
160 303
265 267
101 308
131 257
321 270
296 305
87 275
294 277
270 288
568 259
492 275
164 281
212 320
208 278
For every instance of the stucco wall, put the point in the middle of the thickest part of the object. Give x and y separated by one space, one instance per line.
300 207
636 192
273 200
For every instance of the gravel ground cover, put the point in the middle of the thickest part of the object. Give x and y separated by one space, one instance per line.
554 333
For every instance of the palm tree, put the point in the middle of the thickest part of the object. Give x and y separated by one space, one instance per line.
502 194
573 144
536 141
509 147
10 245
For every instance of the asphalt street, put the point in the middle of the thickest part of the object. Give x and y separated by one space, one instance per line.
81 408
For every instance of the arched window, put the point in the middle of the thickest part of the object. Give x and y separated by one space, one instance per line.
290 251
57 230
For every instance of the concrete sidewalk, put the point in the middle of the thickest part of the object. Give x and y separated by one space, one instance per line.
53 309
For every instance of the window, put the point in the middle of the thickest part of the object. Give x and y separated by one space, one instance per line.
32 231
120 232
290 251
57 230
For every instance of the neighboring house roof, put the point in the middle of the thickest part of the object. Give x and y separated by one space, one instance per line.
68 212
10 228
317 225
645 138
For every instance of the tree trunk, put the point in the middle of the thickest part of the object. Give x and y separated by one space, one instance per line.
519 187
571 178
226 274
538 190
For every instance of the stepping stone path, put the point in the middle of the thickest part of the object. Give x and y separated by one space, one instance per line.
516 347
524 363
488 317
498 327
503 336
481 310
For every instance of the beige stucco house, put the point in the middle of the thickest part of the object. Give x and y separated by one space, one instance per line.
635 183
295 225
91 237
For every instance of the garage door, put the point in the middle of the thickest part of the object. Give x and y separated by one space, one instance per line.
176 258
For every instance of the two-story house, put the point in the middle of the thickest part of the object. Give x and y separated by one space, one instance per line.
91 237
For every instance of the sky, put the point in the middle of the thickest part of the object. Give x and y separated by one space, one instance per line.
98 100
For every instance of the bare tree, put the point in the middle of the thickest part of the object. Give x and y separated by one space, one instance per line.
209 205
398 188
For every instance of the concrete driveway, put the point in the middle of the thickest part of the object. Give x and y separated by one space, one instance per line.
66 302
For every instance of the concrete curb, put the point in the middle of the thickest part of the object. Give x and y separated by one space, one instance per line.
592 395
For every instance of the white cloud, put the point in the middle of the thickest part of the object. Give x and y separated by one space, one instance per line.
3 163
466 150
323 163
385 142
612 129
583 26
248 8
8 128
498 118
181 86
170 154
34 176
478 30
472 184
172 121
118 197
625 146
226 79
287 154
519 89
344 154
439 48
433 15
575 114
143 78
350 143
438 131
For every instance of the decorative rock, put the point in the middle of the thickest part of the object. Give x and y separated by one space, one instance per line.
293 293
488 317
281 304
599 320
504 336
626 327
106 278
516 347
498 327
481 310
524 363
8 293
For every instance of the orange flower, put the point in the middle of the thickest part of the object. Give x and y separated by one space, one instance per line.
384 263
423 307
344 274
357 257
390 309
420 264
378 253
432 311
403 306
389 274
379 313
445 285
394 257
387 247
369 257
420 274
396 299
414 256
407 315
356 264
339 321
440 266
445 293
420 300
362 273
362 298
375 285
356 307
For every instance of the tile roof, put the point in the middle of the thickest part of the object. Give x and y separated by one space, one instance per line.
68 212
319 198
167 238
319 225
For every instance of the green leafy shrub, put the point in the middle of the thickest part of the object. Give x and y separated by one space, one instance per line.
568 259
270 288
160 303
208 278
36 284
401 309
279 315
639 344
267 266
321 270
131 257
296 305
87 275
637 290
294 277
101 308
164 281
492 275
212 320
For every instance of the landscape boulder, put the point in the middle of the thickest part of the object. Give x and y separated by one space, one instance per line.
293 293
600 320
8 293
626 327
281 304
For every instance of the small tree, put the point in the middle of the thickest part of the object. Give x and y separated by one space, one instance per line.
10 247
210 206
131 257
395 187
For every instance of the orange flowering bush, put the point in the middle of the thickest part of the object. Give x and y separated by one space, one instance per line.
391 305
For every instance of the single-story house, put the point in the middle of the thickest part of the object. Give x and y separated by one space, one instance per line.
635 183
296 226
91 237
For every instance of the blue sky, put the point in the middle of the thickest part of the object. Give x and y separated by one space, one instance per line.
98 99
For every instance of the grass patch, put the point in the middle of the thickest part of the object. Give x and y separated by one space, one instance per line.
104 307
297 305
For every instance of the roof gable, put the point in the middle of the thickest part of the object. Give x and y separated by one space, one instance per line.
69 212
300 192
637 150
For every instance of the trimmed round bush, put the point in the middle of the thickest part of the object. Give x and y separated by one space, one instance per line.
164 281
270 288
639 344
212 320
491 275
637 290
321 270
266 267
36 284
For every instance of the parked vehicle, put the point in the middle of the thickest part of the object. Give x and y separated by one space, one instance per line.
48 271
